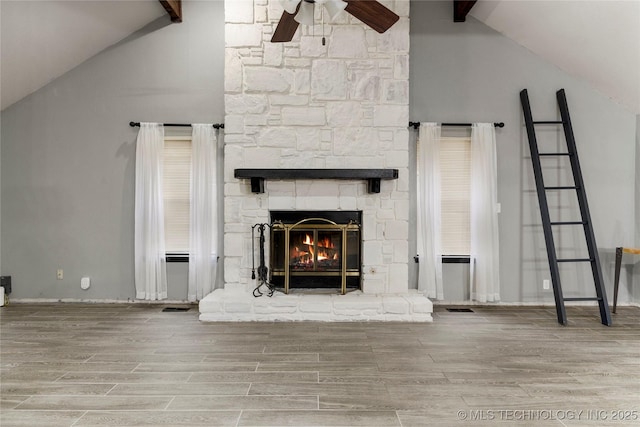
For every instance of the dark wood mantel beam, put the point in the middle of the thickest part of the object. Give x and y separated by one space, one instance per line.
461 8
373 176
173 8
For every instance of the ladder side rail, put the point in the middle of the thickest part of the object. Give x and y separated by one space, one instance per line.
544 208
596 269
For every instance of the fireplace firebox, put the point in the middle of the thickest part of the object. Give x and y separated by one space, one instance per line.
316 249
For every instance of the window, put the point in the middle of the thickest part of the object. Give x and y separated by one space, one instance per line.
176 181
455 179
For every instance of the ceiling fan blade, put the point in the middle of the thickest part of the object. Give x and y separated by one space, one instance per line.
286 28
372 13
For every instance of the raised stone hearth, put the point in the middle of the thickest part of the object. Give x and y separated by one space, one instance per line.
224 305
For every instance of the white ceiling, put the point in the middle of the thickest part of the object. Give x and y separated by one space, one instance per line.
41 40
598 41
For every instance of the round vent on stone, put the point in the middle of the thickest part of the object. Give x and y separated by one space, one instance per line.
296 12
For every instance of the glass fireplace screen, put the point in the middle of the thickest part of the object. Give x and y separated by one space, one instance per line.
315 250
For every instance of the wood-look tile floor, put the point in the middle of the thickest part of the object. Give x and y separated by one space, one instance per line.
134 365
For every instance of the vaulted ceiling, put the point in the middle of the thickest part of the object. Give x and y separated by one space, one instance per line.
597 41
41 40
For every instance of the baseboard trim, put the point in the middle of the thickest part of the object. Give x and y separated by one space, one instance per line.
97 301
435 302
525 304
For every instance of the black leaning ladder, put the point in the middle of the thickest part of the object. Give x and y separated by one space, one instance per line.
547 224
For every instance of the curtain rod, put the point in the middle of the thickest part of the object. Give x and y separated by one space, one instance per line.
416 125
179 125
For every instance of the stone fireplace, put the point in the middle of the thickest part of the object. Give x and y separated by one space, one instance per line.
339 107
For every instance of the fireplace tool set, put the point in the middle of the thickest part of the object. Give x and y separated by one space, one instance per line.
263 270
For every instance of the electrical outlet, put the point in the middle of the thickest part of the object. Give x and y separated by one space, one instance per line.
546 284
60 274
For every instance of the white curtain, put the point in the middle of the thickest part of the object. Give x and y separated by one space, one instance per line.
203 235
429 240
149 250
485 269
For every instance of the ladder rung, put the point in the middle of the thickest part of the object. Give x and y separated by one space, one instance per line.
548 122
554 154
569 223
583 299
562 188
575 260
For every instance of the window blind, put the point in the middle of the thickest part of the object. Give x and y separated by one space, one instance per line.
176 180
455 169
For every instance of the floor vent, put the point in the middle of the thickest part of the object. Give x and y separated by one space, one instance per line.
174 309
460 310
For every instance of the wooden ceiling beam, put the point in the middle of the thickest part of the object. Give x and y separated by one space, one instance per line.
173 8
461 8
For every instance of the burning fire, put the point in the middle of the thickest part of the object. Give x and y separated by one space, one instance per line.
325 248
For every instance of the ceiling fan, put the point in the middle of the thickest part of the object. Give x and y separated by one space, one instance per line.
296 12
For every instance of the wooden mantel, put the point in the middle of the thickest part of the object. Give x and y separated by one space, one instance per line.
372 176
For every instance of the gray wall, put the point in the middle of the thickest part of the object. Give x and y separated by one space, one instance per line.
467 72
67 162
0 195
68 156
636 275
